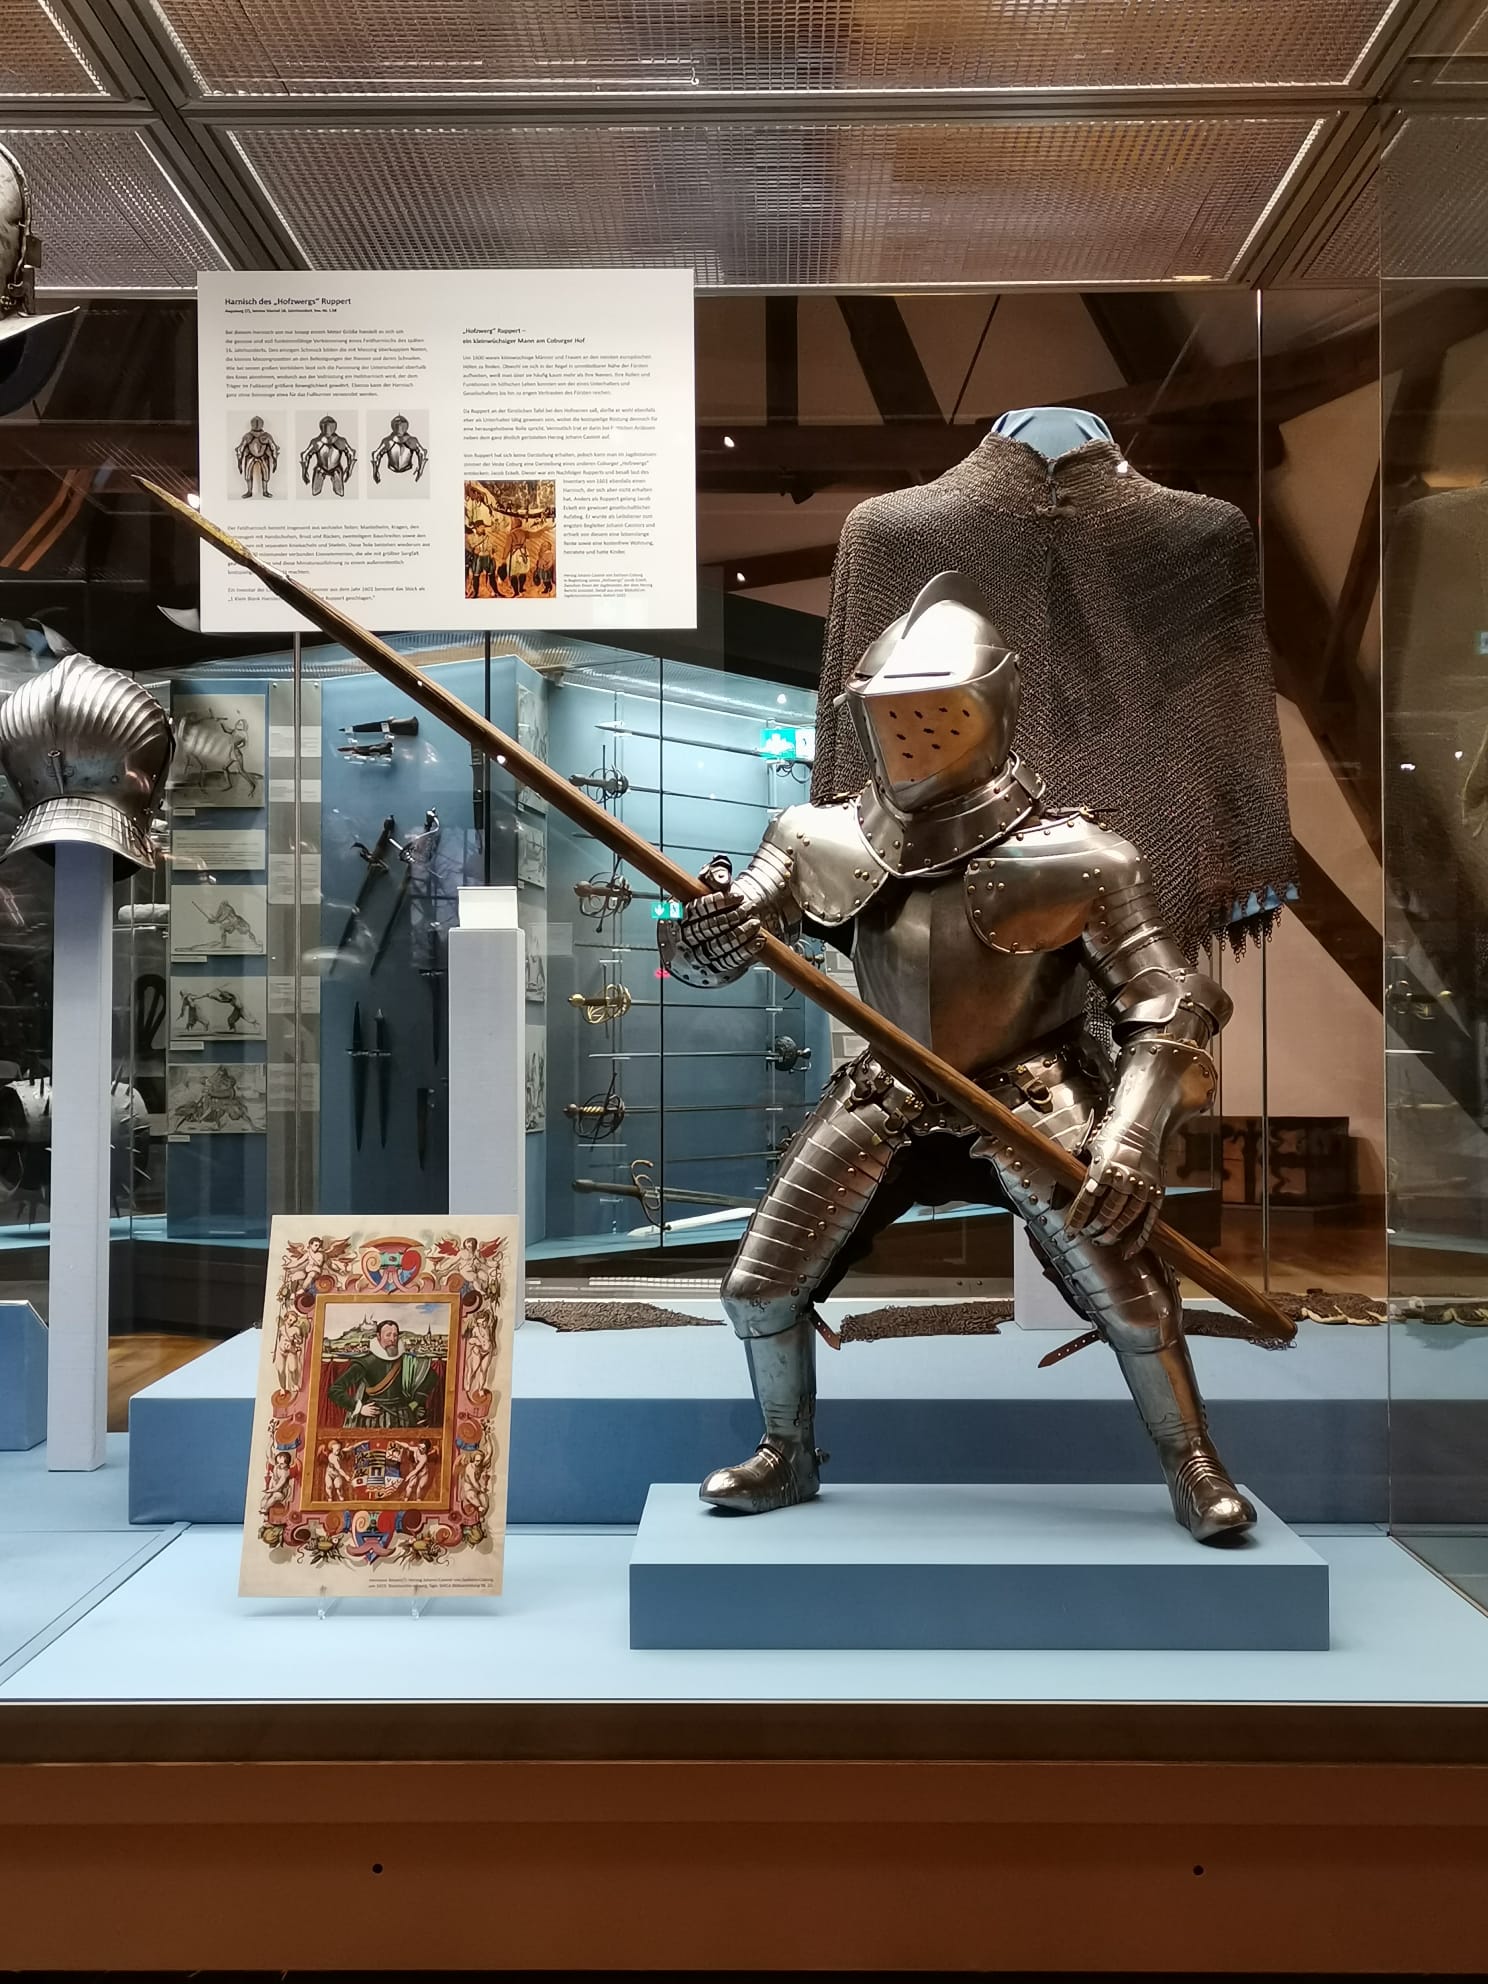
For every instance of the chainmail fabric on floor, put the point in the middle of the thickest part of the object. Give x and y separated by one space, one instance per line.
984 1317
1147 684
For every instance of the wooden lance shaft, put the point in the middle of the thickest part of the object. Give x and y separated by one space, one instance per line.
912 1060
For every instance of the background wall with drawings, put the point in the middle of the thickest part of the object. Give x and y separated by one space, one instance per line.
216 1185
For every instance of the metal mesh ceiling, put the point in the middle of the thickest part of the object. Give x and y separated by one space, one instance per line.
434 47
1434 199
108 216
38 57
1350 251
747 204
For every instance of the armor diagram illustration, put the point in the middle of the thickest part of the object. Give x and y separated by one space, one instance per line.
329 457
978 920
257 458
400 452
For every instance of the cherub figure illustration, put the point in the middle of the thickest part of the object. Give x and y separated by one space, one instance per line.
480 1347
473 1486
419 1456
336 1481
289 1348
281 1480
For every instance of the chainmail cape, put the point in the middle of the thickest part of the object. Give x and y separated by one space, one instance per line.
1147 687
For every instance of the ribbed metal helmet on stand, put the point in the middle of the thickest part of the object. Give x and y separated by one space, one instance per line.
87 750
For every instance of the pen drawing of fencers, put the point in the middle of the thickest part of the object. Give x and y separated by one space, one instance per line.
978 920
380 1433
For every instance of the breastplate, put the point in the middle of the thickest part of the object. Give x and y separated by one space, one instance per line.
920 963
400 457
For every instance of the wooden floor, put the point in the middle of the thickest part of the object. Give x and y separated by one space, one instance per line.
137 1361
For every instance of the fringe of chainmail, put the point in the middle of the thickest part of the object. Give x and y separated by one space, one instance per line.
575 1315
985 1317
1147 684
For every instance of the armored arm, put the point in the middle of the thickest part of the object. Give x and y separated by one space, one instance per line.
1164 1015
305 459
719 934
380 457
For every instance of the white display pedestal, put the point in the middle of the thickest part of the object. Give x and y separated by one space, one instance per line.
82 1072
488 1063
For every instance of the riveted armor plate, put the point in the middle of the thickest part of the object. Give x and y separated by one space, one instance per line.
834 872
1044 884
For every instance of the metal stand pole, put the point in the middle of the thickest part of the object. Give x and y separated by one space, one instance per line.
82 1073
488 1065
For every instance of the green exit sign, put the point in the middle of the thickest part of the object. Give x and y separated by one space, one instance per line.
788 741
666 911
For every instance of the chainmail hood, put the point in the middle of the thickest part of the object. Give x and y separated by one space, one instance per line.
1147 687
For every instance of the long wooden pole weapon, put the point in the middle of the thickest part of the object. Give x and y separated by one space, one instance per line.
904 1053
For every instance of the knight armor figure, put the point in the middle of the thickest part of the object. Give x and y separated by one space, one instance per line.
977 918
329 457
87 750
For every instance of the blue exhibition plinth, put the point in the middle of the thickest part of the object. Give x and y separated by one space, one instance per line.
930 1567
23 1377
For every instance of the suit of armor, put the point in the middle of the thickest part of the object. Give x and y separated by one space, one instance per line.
332 457
977 920
258 457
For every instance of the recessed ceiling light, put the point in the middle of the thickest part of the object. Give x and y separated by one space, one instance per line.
728 440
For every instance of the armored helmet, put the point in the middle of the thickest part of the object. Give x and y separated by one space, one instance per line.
87 750
934 700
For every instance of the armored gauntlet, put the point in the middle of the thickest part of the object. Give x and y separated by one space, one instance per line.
1165 1019
720 934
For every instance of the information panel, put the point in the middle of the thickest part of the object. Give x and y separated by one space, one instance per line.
447 449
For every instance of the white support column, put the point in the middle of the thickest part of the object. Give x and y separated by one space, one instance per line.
488 1064
82 1121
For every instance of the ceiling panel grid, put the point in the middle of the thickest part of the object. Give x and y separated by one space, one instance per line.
420 48
40 56
1146 200
108 214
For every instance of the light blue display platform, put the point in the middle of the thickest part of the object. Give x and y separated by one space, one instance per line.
905 1567
598 1416
176 1631
23 1377
65 1543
